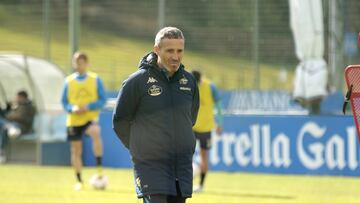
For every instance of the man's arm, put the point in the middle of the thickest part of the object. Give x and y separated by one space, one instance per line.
13 115
99 104
195 104
4 111
24 114
64 99
218 105
125 110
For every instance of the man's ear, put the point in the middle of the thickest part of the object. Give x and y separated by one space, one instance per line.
156 49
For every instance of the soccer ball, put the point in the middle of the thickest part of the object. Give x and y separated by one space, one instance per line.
196 169
13 131
99 182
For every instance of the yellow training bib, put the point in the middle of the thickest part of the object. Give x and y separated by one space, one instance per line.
205 121
82 93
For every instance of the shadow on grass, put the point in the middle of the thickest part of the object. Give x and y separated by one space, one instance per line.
212 193
247 195
115 191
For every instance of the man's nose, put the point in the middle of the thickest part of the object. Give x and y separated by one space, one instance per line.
175 56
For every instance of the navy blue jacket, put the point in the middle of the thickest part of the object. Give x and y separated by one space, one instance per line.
153 118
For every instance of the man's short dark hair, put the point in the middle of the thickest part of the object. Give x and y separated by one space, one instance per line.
23 94
197 75
168 33
80 55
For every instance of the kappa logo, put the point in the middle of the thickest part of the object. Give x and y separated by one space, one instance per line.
183 81
83 93
151 80
155 90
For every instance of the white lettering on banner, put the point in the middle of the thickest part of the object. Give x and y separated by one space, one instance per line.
315 149
351 136
242 145
266 145
332 152
258 147
281 151
248 148
214 155
335 157
255 136
227 142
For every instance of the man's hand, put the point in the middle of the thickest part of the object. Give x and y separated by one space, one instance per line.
219 130
80 109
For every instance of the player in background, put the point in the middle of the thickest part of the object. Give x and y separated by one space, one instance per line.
206 121
83 97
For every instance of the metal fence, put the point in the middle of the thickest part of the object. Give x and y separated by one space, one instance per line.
253 36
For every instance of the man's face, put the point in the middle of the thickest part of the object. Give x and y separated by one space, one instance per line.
80 65
170 53
20 99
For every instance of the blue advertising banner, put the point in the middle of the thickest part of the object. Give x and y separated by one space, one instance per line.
326 145
287 144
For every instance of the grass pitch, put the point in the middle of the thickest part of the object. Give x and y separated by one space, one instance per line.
24 183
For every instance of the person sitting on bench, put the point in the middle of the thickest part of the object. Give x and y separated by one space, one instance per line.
17 119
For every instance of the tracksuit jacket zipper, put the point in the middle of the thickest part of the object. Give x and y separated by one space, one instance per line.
170 83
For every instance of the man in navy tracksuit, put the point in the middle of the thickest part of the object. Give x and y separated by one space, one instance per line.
155 111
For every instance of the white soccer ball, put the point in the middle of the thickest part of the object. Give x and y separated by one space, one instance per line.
99 182
13 131
196 169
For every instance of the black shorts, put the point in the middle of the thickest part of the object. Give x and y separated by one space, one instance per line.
205 139
76 132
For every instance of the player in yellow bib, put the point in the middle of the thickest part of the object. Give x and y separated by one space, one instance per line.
206 121
83 97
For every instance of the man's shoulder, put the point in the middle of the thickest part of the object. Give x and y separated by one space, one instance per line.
206 81
71 77
189 76
137 75
31 107
92 74
75 76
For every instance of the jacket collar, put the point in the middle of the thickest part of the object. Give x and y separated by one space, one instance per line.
149 61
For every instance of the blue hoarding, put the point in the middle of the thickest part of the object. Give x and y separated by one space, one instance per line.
325 145
287 144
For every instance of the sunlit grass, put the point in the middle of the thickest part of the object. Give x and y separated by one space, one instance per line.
24 183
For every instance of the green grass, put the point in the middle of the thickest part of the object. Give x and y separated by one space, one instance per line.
115 56
24 183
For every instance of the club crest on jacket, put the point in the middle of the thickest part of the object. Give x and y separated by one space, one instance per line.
183 81
154 90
